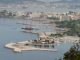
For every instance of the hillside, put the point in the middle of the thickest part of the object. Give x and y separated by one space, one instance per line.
19 1
15 1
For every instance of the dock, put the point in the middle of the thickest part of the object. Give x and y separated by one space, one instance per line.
17 47
26 31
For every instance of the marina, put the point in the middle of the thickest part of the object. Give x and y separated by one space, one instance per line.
44 39
39 30
12 32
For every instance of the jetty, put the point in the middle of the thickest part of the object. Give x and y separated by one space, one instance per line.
18 47
26 31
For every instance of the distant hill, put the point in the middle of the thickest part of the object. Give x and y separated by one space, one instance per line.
15 1
19 1
68 1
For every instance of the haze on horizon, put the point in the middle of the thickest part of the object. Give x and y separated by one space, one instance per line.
57 0
19 1
49 0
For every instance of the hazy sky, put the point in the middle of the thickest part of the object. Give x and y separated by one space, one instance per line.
55 0
49 0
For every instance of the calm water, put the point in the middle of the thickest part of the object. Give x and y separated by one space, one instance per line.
10 31
42 9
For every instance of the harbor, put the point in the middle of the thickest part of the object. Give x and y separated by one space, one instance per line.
21 46
46 35
44 39
39 30
12 33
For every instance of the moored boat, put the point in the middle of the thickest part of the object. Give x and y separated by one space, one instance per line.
27 28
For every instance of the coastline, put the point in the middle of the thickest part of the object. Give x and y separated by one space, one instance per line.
21 46
25 45
62 48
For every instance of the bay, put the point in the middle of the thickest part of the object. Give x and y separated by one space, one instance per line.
32 9
10 31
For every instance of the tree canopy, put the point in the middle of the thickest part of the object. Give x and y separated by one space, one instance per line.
73 53
69 24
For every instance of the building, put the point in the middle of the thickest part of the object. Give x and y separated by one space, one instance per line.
20 13
35 15
65 17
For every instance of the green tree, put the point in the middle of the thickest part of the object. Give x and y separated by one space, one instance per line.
72 25
73 53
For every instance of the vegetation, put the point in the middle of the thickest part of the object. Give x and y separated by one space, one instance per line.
73 53
57 35
46 41
68 24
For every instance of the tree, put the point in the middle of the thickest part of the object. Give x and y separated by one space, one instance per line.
73 53
35 41
71 25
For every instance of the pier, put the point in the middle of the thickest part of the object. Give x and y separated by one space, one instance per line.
18 47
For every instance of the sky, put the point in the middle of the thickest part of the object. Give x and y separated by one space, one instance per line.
49 0
58 0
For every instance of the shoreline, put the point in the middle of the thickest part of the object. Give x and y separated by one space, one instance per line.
65 39
21 46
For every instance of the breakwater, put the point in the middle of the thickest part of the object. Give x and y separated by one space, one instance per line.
18 47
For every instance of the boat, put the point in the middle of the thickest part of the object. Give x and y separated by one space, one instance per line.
24 7
27 28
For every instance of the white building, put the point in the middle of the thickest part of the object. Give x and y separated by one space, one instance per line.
35 15
20 13
65 17
49 16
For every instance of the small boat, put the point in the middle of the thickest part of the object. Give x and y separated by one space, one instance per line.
27 28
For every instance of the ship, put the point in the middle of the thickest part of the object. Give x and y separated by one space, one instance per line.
28 27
